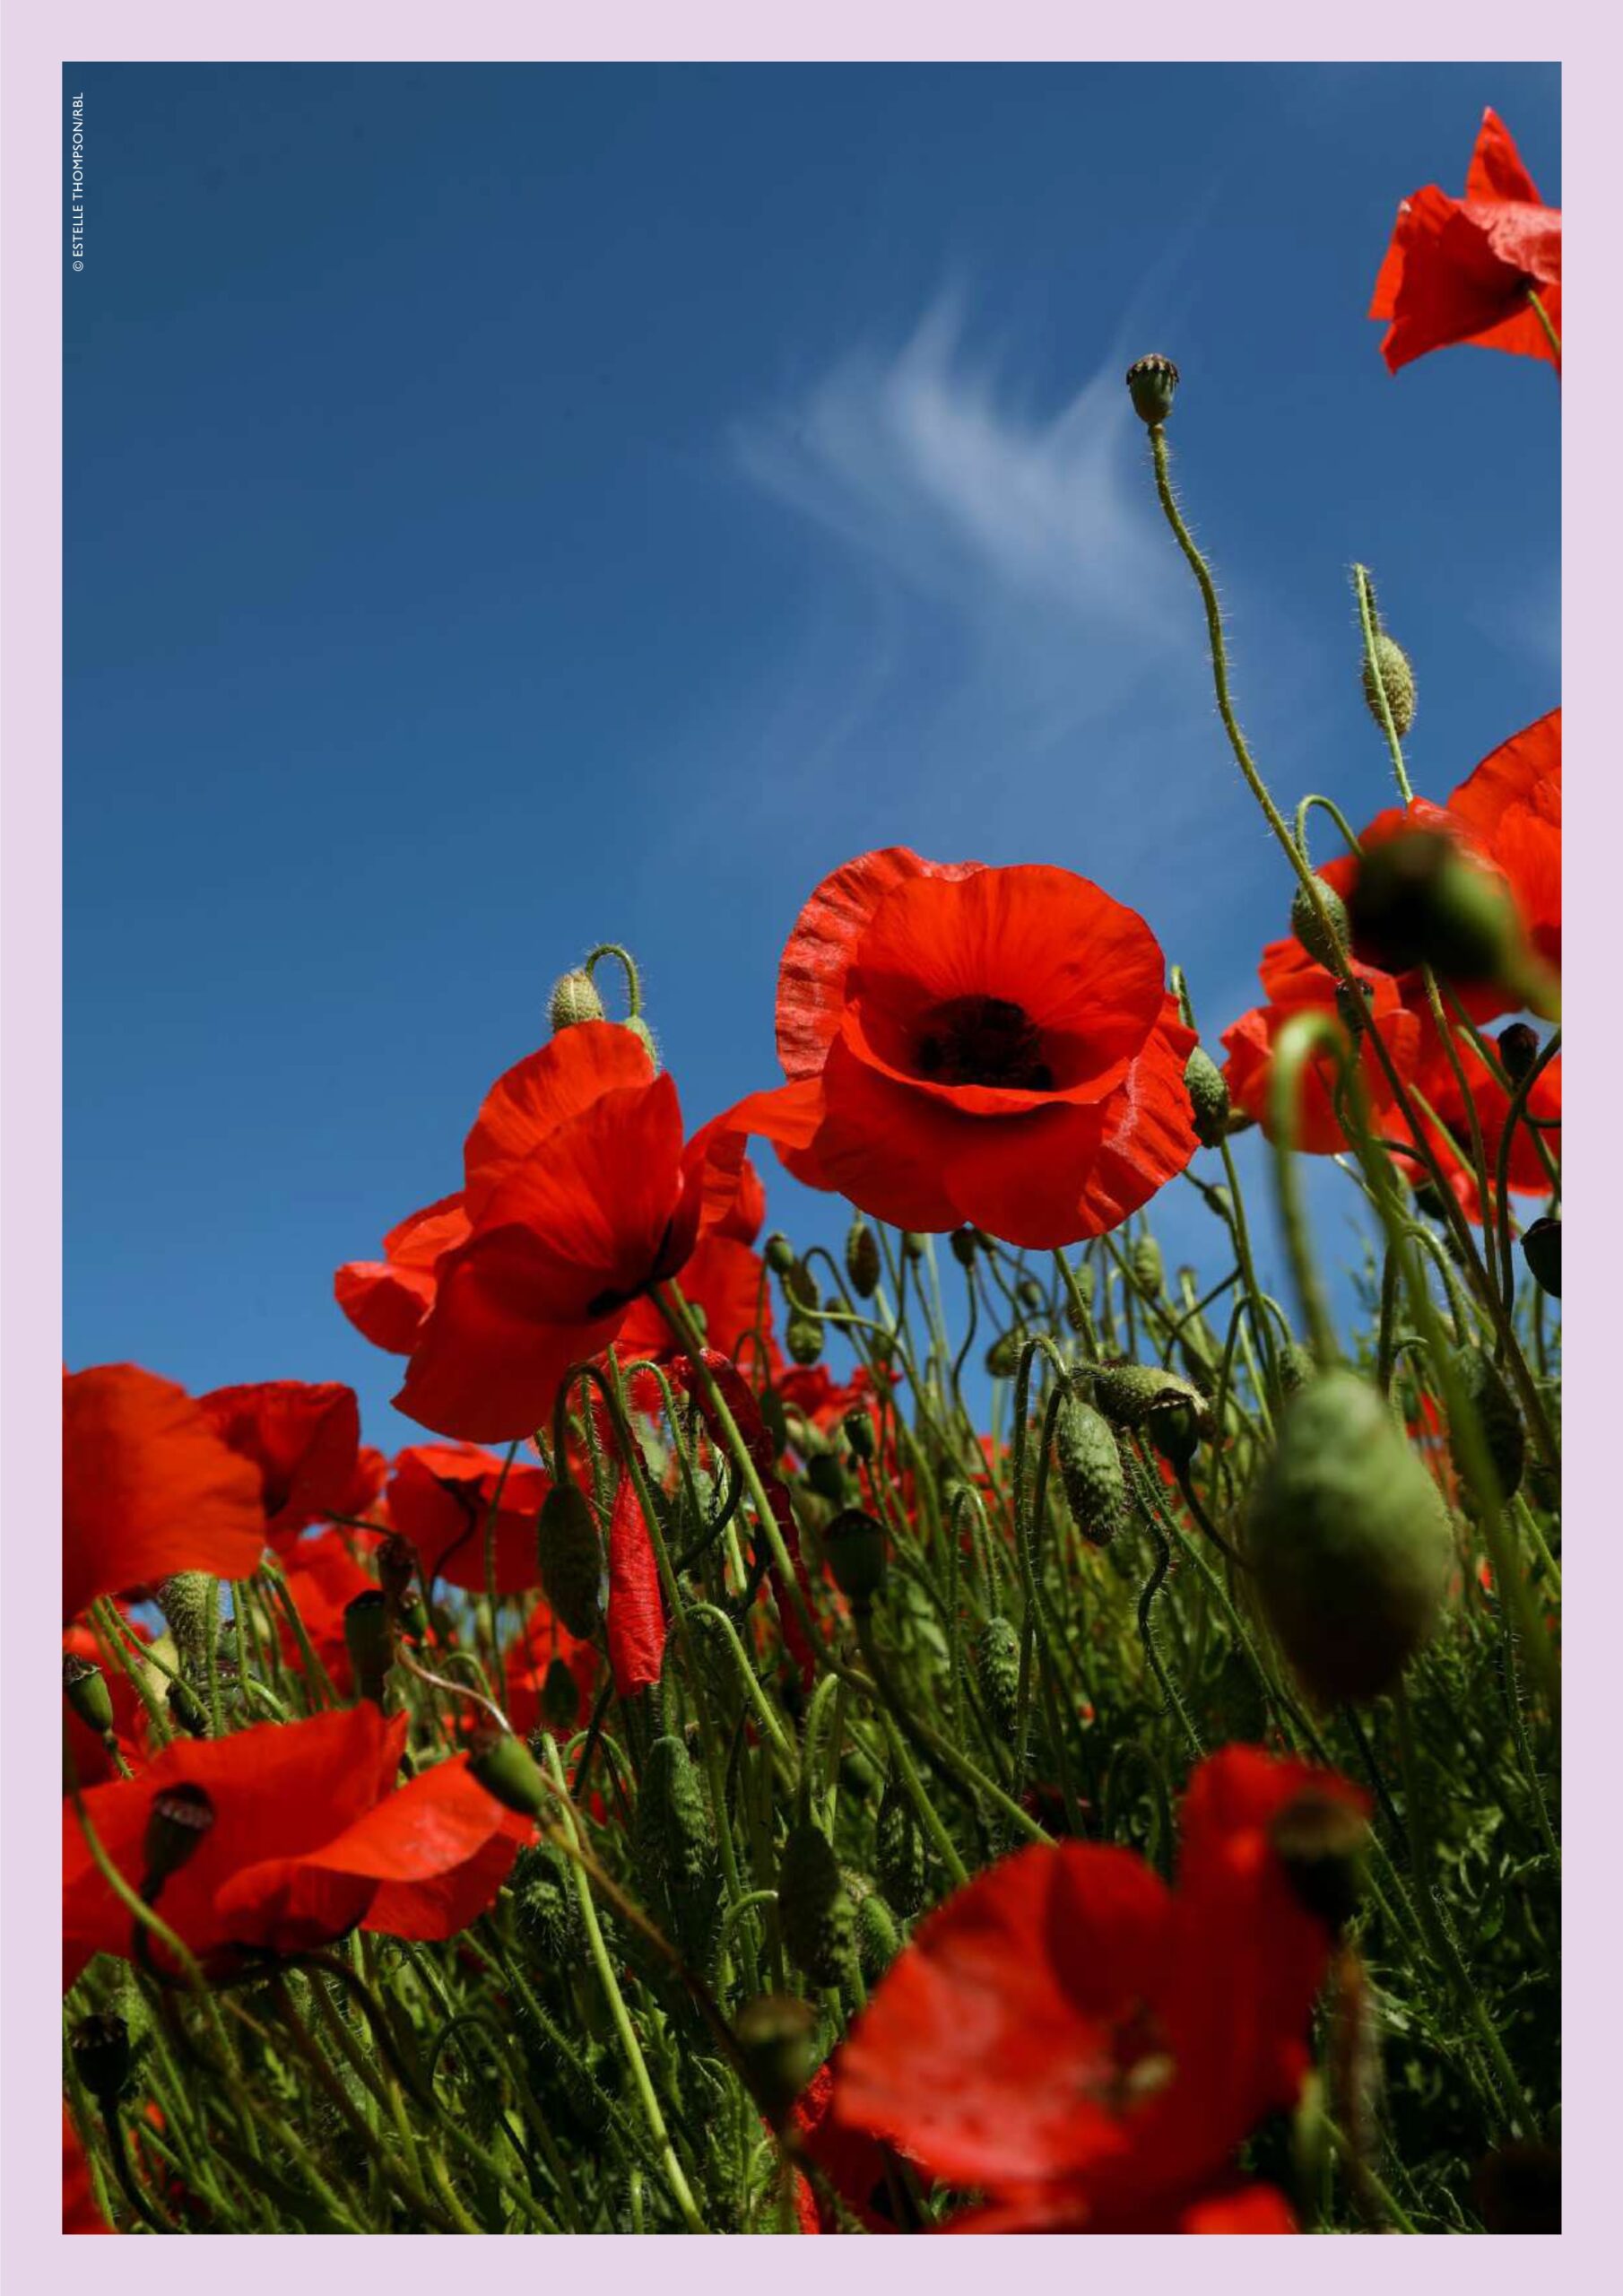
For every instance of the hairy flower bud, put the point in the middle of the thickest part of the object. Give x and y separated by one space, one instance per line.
781 1256
1208 1097
814 1906
1152 381
857 1428
877 1937
803 1338
1129 1395
854 1546
1089 1460
1390 674
861 1258
1003 1355
1325 947
997 1670
900 1857
1416 900
1348 1539
1149 1269
570 1560
187 1602
504 1766
574 999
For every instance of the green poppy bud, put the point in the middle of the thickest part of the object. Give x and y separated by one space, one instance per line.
504 1766
1297 1366
1390 674
900 1859
188 1710
673 1822
877 1937
643 1034
1416 900
1152 381
1349 1541
1541 1249
777 2034
177 1825
814 1906
861 1258
781 1256
85 1687
1089 1460
857 1428
1148 1270
915 1245
1325 948
1003 1355
827 1477
570 1560
545 1906
101 2046
560 1697
1208 1097
1497 1418
854 1545
803 1338
574 999
1129 1395
997 1670
1174 1430
187 1602
963 1243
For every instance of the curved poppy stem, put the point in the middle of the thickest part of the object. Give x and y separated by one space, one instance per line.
1547 323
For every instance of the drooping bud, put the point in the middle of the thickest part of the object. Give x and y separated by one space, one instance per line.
1325 947
177 1825
814 1906
861 1258
1149 1269
1416 900
854 1545
899 1856
673 1825
570 1560
776 2032
1175 1429
187 1602
1090 1469
1320 1841
803 1338
1129 1395
1518 1050
1390 673
1349 1541
574 999
1498 1419
545 1905
503 1765
963 1244
560 1697
781 1256
997 1670
369 1638
645 1037
1208 1097
800 1286
1003 1355
186 1709
1541 1249
1297 1366
857 1428
100 2044
1152 381
85 1687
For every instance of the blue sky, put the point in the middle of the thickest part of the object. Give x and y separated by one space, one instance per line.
511 509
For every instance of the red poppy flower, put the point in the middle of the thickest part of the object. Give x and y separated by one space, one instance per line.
148 1488
1511 807
309 1837
323 1578
91 1761
440 1498
1461 270
1089 2048
1450 1138
304 1439
991 1046
1250 1046
725 1281
577 1197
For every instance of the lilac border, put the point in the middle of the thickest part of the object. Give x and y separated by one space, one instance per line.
164 30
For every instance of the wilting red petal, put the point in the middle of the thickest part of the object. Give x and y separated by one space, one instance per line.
149 1488
637 1616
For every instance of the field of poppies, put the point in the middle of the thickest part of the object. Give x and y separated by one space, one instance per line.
987 1733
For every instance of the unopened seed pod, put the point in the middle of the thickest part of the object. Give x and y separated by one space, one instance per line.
1092 1474
997 1669
899 1859
861 1258
1208 1093
1152 383
1349 1538
1390 674
1497 1418
814 1906
570 1560
85 1687
1325 947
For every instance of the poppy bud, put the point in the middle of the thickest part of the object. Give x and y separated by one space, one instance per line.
179 1819
1497 1418
776 2034
774 1419
877 1938
1152 380
100 2044
1325 947
1149 1269
570 1560
560 1697
1090 1469
545 1905
997 1670
1349 1541
85 1687
1518 1050
1208 1097
1003 1355
396 1560
800 1286
914 1246
1130 1394
814 1906
1320 1841
857 1428
781 1256
672 1825
1416 900
1174 1430
1390 673
854 1546
1297 1366
643 1034
503 1766
369 1638
574 999
1541 1249
186 1601
187 1708
861 1258
803 1338
963 1243
900 1857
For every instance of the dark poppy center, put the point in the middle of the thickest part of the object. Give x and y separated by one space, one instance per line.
983 1040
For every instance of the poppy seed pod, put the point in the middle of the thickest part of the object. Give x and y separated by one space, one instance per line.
997 1670
85 1687
1390 674
1518 1050
1541 1249
1152 381
503 1766
570 1560
814 1906
1090 1469
1208 1097
1497 1418
100 2045
854 1545
574 999
861 1258
1325 948
1349 1541
776 2032
176 1824
1416 900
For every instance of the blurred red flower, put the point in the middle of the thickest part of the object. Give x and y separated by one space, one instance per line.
305 1440
440 1498
308 1836
991 1046
1461 270
148 1488
1090 2048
